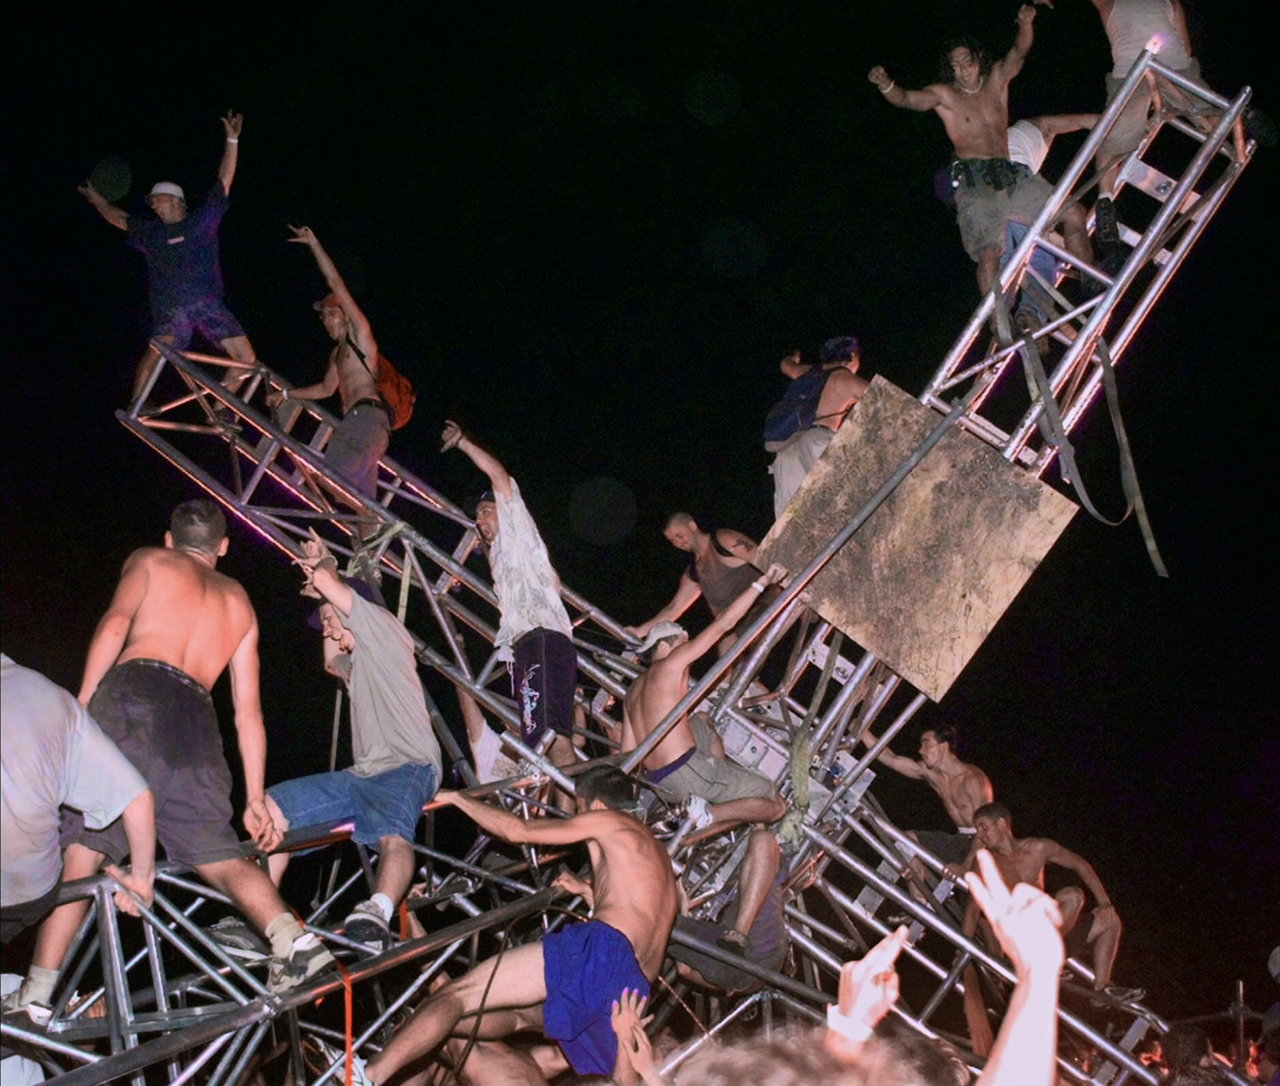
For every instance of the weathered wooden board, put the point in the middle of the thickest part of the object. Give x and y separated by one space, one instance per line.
923 582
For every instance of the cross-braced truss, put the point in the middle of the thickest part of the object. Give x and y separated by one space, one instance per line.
791 699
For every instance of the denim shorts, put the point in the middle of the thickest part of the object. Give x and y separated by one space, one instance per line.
386 805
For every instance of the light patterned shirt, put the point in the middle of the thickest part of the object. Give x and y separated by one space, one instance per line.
528 588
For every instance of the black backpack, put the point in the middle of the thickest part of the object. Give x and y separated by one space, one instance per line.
798 409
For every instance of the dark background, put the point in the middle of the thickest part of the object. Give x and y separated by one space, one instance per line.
589 232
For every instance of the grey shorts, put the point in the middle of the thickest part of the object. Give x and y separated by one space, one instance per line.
983 210
357 445
1131 125
717 780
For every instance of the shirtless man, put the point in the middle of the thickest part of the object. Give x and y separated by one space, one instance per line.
361 440
689 765
565 985
719 569
974 109
184 278
1024 860
174 625
962 787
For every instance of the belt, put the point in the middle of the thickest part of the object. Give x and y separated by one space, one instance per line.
999 173
653 776
369 401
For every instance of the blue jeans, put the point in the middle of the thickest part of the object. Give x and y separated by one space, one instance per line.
386 805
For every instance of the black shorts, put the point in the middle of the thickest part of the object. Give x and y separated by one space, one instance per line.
15 919
163 721
543 675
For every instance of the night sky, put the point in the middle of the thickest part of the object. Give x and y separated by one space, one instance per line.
588 232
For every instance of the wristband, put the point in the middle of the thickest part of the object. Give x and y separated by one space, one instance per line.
233 139
851 1029
886 90
758 587
284 394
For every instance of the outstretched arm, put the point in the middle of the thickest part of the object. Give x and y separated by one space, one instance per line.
535 831
356 320
1064 857
908 767
231 123
1011 63
687 593
1059 124
686 654
919 100
116 216
454 438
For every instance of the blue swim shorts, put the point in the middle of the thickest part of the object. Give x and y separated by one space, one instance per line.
586 967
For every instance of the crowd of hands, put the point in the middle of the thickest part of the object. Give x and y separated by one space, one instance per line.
1026 921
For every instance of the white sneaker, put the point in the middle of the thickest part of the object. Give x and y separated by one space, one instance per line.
367 926
697 810
307 957
320 1056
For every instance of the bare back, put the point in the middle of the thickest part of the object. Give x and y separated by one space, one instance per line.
651 697
185 613
842 390
977 123
635 888
355 382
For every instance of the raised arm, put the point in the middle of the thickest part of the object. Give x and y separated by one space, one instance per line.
116 216
697 647
321 571
231 123
1026 921
919 100
356 320
1011 63
454 438
251 736
113 628
908 767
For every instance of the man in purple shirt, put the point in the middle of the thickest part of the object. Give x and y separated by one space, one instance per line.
183 274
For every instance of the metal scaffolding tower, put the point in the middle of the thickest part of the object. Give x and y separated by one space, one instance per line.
791 698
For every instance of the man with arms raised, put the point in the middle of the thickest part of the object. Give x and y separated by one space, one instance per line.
361 439
1024 860
974 108
688 765
566 984
174 625
184 276
719 569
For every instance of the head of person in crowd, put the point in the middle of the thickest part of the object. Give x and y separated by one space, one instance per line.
332 317
198 525
994 824
168 201
608 785
936 743
484 511
965 62
328 619
840 351
664 637
1186 1046
681 531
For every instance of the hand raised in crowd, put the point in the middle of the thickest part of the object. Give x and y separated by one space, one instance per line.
451 435
315 556
1027 921
629 1020
868 989
303 235
232 123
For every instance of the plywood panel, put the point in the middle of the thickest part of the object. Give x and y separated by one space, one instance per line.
923 582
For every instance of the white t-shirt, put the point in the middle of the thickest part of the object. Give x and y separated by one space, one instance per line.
1027 145
52 753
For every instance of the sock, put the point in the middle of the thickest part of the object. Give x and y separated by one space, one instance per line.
385 904
282 931
38 986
